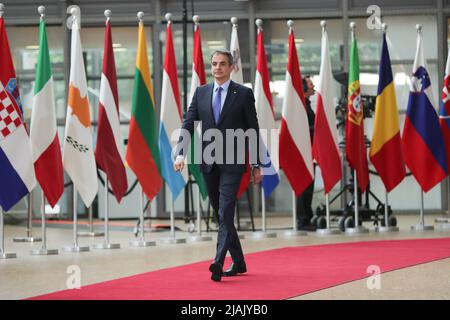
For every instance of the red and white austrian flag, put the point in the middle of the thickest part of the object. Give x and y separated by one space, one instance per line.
9 117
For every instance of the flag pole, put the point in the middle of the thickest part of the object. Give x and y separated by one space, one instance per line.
172 239
294 232
357 229
387 227
263 234
75 247
29 237
421 225
3 253
328 230
43 251
106 244
141 242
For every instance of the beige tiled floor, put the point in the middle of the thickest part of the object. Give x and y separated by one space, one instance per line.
28 275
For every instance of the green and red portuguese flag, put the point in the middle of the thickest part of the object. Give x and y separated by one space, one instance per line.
142 153
355 147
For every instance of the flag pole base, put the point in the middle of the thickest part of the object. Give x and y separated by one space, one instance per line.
106 245
74 248
246 224
172 240
90 234
142 243
294 233
420 227
326 232
356 230
387 229
199 238
44 252
8 255
27 239
262 235
444 227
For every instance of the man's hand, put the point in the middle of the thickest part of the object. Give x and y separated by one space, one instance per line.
256 175
178 165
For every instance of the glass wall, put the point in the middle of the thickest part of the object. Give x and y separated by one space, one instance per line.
24 44
125 45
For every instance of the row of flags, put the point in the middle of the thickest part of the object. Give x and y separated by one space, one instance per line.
424 146
26 158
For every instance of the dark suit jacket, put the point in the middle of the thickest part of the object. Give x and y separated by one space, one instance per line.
238 112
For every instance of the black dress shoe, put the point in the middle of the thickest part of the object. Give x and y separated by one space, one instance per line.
216 271
234 269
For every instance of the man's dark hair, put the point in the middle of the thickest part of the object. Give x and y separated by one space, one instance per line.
304 83
225 52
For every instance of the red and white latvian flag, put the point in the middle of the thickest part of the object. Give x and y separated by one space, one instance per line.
109 153
325 147
78 153
43 133
295 141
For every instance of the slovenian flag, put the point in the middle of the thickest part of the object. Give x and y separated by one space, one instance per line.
266 120
170 119
16 162
422 142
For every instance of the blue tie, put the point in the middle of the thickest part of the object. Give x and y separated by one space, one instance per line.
217 103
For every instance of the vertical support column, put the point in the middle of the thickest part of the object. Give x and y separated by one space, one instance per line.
3 253
29 237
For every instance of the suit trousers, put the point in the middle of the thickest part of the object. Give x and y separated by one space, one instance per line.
304 206
222 190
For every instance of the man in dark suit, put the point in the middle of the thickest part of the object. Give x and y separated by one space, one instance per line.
223 107
304 201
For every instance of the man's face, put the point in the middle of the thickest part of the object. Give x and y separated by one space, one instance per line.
221 68
309 88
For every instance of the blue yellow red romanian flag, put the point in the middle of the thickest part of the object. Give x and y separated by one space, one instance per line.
386 149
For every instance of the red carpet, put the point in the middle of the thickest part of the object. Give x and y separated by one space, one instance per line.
274 274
